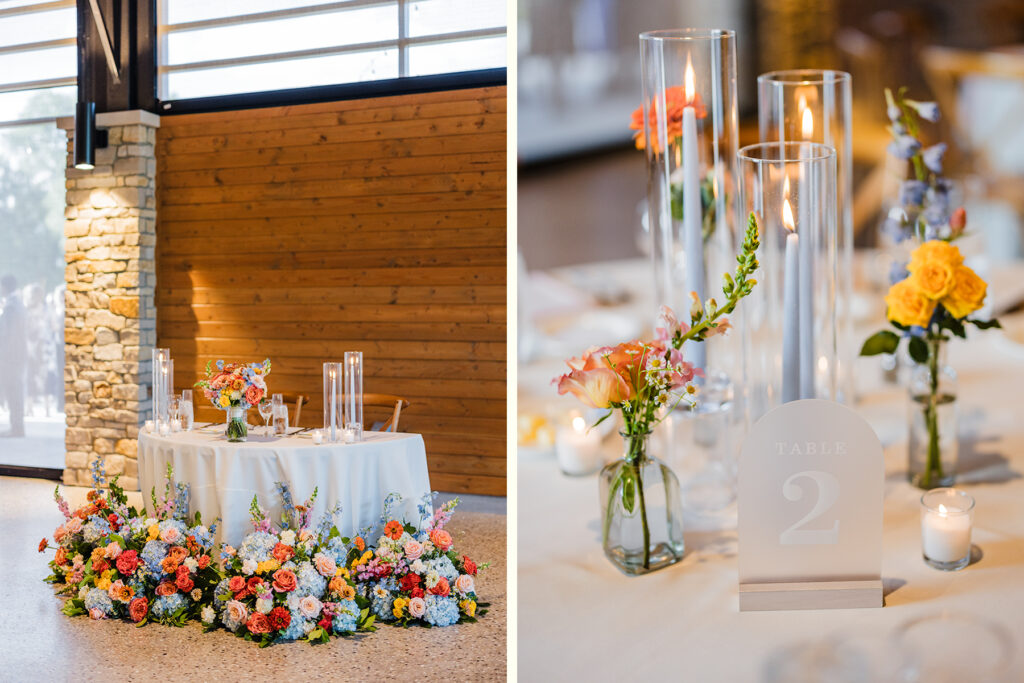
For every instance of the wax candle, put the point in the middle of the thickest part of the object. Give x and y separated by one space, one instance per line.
807 229
790 309
334 405
946 520
165 428
578 449
693 237
318 436
350 434
149 426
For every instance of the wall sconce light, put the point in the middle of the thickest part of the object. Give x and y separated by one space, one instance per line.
87 137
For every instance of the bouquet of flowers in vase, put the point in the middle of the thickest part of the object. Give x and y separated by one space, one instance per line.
645 381
117 563
290 583
415 576
235 387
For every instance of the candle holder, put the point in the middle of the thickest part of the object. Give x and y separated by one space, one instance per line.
947 516
814 105
354 394
160 387
690 136
332 402
577 448
788 325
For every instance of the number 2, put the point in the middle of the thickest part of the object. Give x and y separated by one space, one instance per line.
828 493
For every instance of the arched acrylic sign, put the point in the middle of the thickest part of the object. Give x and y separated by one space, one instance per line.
810 510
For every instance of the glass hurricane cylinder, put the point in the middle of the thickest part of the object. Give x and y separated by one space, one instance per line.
160 388
641 511
933 443
354 395
332 401
788 324
814 105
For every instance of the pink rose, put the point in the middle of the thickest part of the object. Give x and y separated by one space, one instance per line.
413 549
237 612
309 606
417 607
73 526
170 535
325 565
97 613
59 533
464 584
112 550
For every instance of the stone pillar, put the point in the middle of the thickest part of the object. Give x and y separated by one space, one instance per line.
110 319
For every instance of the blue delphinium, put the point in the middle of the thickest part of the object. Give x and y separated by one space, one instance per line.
444 567
257 546
153 554
904 146
932 157
166 605
346 613
309 581
441 611
912 192
98 599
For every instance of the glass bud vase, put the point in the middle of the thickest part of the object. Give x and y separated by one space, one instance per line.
933 439
236 427
641 510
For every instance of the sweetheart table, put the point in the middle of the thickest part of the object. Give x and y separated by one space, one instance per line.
224 476
578 614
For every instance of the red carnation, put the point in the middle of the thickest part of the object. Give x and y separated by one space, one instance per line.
417 593
137 609
114 524
258 624
184 583
282 553
409 581
203 561
183 570
236 583
127 562
441 587
469 565
279 618
325 623
61 557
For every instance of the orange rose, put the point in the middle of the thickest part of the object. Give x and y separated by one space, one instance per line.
284 580
166 588
253 394
282 553
441 538
178 553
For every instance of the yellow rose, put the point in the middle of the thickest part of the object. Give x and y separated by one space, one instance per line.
935 251
907 305
154 531
934 279
966 295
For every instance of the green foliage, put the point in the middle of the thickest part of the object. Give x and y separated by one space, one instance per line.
880 342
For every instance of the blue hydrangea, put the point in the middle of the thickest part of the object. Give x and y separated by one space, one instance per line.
95 529
153 553
336 550
309 581
175 524
166 605
98 599
382 603
441 611
346 614
298 627
257 546
444 567
203 536
221 589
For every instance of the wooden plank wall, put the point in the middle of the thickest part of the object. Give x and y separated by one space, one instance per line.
298 233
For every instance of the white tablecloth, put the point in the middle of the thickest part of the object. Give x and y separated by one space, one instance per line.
224 476
580 617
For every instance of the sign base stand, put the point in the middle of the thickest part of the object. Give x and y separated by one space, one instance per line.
756 597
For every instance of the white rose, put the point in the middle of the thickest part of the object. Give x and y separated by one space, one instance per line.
236 611
417 607
464 584
288 537
191 563
309 606
249 567
264 606
418 567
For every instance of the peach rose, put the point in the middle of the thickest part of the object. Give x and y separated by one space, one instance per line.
325 565
137 609
253 394
441 538
413 549
237 612
598 388
73 525
112 551
417 607
170 535
464 584
284 580
441 587
310 607
59 533
165 588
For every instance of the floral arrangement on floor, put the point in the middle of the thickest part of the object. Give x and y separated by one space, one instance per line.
117 563
645 381
289 583
235 387
415 576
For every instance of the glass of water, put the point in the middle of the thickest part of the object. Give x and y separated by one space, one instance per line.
280 414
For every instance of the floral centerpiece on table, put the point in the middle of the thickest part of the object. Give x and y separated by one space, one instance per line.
415 576
289 583
645 381
117 563
235 387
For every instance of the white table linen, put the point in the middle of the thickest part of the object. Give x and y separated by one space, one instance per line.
579 616
224 476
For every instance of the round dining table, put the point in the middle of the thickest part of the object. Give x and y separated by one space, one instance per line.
223 477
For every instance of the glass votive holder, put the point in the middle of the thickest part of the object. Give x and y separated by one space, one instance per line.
149 426
946 518
176 424
349 434
318 436
165 428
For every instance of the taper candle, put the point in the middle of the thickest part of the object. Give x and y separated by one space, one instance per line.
790 310
693 233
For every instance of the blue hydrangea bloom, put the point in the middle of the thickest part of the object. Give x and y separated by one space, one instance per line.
336 550
95 529
221 589
441 611
345 618
166 605
257 546
176 524
98 599
153 554
309 581
381 605
444 567
297 628
203 536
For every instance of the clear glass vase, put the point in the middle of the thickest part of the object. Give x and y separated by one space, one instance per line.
933 440
641 510
236 427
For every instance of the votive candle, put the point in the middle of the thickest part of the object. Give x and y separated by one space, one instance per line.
947 516
318 436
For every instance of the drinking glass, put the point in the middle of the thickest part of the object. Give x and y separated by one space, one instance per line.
186 410
173 405
280 413
266 408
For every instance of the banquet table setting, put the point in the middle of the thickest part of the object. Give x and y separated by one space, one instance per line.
685 619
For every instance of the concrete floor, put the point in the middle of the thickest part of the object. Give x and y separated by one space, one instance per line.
42 445
38 643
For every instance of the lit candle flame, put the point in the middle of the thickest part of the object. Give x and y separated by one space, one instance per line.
579 425
689 86
787 216
806 119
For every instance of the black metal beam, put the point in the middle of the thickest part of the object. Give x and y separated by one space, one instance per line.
131 27
50 473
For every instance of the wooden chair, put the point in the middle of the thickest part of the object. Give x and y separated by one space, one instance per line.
299 400
396 403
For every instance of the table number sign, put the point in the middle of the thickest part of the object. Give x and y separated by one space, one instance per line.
810 510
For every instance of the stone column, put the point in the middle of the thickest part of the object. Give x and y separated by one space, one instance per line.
110 319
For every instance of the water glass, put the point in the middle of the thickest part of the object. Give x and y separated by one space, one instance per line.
280 413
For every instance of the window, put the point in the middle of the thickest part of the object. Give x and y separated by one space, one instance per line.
242 46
